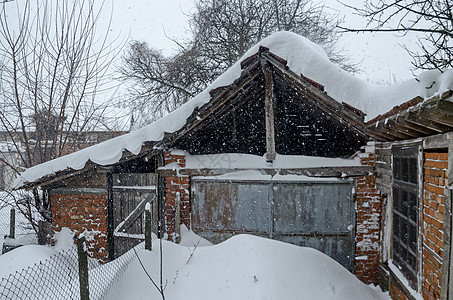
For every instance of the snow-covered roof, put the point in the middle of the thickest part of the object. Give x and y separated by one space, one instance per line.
303 57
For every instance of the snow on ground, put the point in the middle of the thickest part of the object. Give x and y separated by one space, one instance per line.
242 267
23 257
190 239
26 256
303 57
24 233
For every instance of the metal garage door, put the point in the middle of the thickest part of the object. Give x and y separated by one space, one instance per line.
311 214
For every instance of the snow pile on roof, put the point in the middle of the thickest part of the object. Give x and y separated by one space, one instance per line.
303 57
243 267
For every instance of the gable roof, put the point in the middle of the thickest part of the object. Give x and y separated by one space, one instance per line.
300 56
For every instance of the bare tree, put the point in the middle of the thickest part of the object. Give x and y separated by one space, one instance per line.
433 20
53 64
221 32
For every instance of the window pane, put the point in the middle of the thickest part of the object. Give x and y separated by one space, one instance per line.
404 204
412 262
404 231
404 170
396 229
412 236
397 168
412 171
413 211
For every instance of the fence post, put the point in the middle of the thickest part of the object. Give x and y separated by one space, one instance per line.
148 241
178 217
12 223
83 268
44 230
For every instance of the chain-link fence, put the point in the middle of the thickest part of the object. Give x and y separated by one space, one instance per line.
24 233
58 277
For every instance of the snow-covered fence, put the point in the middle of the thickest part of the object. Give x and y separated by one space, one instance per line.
57 277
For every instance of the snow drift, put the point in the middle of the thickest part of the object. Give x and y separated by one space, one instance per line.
243 267
303 57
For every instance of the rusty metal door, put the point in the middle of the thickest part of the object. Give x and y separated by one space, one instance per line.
311 214
317 216
222 209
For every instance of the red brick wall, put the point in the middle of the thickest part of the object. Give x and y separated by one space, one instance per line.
396 293
175 185
435 179
82 213
368 220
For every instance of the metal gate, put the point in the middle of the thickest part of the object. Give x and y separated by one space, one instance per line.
317 214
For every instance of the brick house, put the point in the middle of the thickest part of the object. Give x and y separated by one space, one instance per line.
270 153
414 172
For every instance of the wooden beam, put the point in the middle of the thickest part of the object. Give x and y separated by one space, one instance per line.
400 120
445 105
437 116
419 120
311 172
386 131
380 136
394 128
49 179
438 141
447 266
135 214
447 283
269 112
450 160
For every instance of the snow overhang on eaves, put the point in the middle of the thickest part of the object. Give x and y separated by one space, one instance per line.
415 118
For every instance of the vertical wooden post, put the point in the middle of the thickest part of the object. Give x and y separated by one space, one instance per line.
83 268
269 113
148 231
110 218
12 223
447 283
178 217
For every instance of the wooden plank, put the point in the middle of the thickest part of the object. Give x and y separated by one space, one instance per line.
445 105
450 160
446 269
419 120
379 135
390 126
438 141
269 113
437 116
135 214
449 199
400 120
312 172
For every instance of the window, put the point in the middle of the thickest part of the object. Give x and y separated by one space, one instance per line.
405 211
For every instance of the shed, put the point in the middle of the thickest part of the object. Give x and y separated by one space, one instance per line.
277 146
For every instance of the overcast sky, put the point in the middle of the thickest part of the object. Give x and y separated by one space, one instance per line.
380 56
